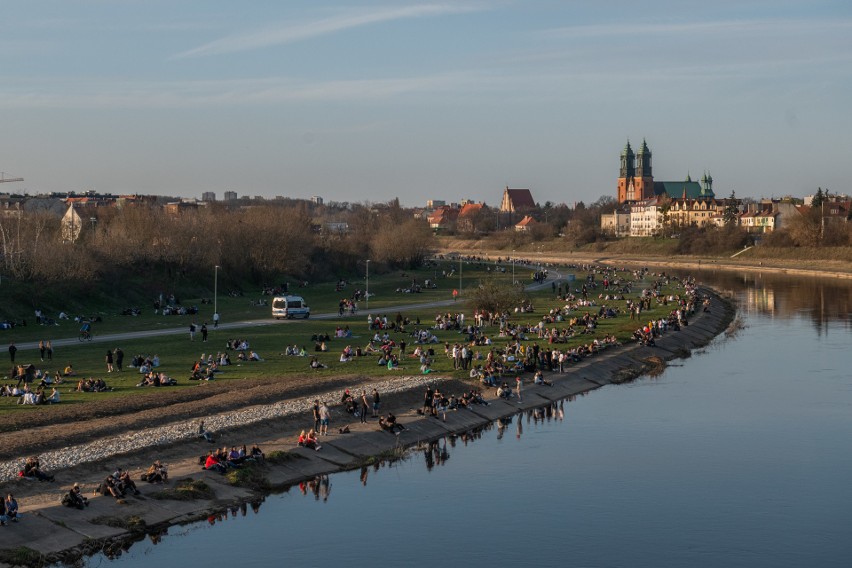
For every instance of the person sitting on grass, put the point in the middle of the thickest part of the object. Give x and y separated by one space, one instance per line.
315 364
69 371
253 356
53 398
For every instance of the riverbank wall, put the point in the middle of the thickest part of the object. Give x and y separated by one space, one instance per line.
51 533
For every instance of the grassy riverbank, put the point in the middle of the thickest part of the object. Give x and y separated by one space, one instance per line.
177 353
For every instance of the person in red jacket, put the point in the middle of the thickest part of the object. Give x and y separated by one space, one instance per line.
212 463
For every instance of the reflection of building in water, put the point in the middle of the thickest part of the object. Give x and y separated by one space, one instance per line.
823 301
759 300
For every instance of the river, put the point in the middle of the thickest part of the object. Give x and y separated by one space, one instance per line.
738 456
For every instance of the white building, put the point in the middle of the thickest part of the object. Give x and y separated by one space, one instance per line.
646 218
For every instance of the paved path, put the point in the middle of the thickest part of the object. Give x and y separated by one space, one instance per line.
552 275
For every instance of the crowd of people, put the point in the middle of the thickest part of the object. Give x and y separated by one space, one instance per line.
223 459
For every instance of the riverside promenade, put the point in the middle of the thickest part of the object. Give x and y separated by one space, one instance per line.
63 534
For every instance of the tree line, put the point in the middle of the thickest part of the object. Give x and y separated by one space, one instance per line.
260 243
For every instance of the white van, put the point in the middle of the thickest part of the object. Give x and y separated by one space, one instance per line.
290 307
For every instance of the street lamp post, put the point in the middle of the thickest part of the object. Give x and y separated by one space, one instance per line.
216 290
460 274
368 285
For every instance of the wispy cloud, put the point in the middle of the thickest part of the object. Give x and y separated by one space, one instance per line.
629 29
183 94
279 35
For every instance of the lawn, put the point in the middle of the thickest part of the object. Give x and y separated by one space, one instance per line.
177 353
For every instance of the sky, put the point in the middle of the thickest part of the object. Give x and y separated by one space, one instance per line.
366 101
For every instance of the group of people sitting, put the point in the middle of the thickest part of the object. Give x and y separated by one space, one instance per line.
118 485
309 440
157 379
436 402
27 396
388 423
224 459
248 355
75 498
32 470
237 345
157 473
145 363
504 391
92 385
295 351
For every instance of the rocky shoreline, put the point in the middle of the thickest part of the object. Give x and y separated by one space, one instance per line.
62 534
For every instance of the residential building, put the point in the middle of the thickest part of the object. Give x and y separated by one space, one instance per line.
525 224
646 217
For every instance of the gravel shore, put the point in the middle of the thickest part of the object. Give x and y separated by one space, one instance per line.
179 431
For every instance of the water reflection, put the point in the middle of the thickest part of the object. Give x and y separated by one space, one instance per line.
820 300
434 454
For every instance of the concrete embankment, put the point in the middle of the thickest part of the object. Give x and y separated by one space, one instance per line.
63 534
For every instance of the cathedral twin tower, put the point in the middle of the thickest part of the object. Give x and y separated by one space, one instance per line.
636 180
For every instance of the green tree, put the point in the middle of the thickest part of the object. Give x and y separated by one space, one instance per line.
819 198
495 296
729 215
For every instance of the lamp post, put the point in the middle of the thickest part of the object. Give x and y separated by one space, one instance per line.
368 285
216 290
513 267
460 273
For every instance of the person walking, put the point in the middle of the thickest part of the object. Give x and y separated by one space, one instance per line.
48 346
325 417
119 359
192 328
41 349
204 332
108 360
518 387
12 351
215 320
365 406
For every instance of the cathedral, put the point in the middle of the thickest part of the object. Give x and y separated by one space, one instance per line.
636 180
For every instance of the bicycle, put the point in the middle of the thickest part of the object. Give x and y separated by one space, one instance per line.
85 336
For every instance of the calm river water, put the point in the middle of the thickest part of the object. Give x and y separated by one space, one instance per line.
739 456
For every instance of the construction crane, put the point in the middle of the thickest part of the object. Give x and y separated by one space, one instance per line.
4 179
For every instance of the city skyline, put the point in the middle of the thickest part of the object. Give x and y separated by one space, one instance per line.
423 100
